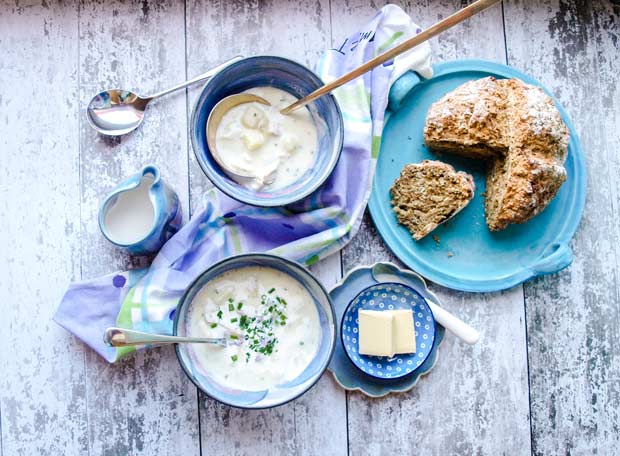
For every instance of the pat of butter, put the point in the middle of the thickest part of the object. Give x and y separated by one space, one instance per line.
403 332
386 333
376 330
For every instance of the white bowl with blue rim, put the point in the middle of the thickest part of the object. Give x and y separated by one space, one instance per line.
346 374
383 297
291 77
167 213
279 394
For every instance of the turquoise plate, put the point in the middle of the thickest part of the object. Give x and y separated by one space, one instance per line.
344 371
465 255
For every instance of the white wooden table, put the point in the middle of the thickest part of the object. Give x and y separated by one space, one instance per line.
545 378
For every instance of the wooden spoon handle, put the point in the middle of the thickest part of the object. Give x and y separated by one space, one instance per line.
412 42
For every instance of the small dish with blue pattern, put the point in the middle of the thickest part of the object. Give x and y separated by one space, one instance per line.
383 297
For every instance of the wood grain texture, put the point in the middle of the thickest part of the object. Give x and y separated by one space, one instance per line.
573 317
144 404
58 397
475 401
315 423
42 394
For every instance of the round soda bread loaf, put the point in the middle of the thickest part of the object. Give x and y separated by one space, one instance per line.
518 130
429 193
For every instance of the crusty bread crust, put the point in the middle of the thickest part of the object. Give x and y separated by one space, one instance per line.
514 126
429 193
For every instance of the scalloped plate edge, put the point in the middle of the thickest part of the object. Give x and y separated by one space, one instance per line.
434 353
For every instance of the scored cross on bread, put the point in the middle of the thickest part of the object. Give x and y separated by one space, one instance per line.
518 130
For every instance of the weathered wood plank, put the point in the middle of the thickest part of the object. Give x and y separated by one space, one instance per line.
475 401
315 423
573 317
42 394
145 404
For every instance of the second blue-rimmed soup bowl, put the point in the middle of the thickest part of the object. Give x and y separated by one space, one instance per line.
208 382
287 75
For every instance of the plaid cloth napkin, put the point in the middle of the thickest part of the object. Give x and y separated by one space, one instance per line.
145 299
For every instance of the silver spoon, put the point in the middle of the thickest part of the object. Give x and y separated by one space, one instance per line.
117 112
119 337
213 121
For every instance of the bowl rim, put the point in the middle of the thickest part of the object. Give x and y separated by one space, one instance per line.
281 201
269 256
346 309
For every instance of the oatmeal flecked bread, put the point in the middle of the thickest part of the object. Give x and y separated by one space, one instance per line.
429 193
518 129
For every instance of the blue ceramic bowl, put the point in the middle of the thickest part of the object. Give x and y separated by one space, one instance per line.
279 394
389 296
286 75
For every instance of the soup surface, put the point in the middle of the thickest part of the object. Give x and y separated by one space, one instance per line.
257 140
269 320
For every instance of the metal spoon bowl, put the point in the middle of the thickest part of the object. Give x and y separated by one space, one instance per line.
116 112
213 122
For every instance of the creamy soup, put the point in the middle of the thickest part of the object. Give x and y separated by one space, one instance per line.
259 141
269 320
130 218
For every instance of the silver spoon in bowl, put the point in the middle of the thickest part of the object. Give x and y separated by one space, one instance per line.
213 122
116 112
120 337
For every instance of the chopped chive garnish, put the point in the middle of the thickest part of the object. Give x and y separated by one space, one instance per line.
301 343
258 330
234 358
219 314
214 325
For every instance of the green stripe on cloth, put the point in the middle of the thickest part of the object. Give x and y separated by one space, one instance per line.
389 42
313 259
236 239
124 321
376 146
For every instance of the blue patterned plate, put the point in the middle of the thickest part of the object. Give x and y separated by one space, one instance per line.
464 254
389 296
345 373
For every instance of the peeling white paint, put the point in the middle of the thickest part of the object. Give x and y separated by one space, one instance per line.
57 397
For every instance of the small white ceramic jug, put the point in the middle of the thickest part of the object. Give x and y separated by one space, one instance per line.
141 213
